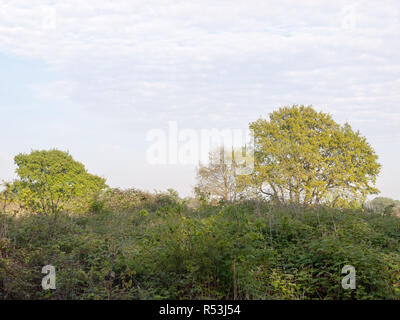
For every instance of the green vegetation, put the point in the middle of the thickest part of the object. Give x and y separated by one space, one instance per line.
51 180
385 205
304 156
285 231
159 248
301 156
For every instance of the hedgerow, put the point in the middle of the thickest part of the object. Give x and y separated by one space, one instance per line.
159 249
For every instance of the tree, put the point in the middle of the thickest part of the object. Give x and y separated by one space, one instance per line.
382 204
304 157
50 180
219 178
6 195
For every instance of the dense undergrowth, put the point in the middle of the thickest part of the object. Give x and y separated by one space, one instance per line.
162 249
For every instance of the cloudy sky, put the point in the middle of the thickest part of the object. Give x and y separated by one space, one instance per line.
94 77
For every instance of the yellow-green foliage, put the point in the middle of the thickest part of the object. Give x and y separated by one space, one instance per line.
304 156
50 181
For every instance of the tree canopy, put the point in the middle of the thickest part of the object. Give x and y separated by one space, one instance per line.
50 180
304 156
383 204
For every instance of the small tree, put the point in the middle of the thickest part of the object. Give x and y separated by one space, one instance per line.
379 204
50 180
6 195
303 156
219 179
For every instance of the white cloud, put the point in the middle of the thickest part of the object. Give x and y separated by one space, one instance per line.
213 63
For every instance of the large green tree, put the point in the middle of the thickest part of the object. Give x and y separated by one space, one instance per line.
303 156
51 180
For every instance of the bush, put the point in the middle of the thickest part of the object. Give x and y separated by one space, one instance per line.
157 248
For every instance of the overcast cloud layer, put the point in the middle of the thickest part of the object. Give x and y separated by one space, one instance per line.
116 69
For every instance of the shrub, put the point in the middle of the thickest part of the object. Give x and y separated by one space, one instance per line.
160 249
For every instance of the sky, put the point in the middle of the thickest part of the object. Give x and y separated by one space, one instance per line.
95 77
